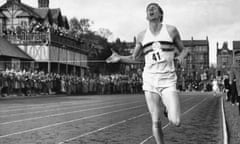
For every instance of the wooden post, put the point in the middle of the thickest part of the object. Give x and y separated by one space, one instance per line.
49 66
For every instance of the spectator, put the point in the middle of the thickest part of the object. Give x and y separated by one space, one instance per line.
235 82
227 87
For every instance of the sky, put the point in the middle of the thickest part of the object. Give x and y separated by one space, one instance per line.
219 20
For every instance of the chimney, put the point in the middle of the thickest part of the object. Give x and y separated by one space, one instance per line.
43 3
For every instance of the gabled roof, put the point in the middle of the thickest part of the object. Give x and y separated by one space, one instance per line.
11 50
23 14
43 13
55 13
24 7
57 16
2 15
65 22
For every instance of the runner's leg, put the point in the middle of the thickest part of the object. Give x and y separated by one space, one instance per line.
171 101
153 102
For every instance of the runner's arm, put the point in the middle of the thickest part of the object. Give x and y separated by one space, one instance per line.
135 57
182 51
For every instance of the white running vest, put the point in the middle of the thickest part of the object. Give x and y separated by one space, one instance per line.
159 52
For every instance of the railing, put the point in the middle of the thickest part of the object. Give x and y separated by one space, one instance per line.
47 38
67 41
28 38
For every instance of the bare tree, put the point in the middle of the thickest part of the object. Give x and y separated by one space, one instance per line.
105 33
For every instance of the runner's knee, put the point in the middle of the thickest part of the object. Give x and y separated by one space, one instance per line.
175 121
157 124
155 115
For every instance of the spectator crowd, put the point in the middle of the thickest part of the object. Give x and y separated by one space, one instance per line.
27 83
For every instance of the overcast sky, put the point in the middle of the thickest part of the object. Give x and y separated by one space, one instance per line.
217 19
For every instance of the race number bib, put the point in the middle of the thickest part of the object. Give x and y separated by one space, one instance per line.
156 54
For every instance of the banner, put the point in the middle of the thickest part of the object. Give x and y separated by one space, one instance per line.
37 52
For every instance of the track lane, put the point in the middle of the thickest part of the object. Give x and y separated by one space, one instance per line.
132 131
52 134
201 125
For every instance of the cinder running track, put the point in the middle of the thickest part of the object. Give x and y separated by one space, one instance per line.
108 119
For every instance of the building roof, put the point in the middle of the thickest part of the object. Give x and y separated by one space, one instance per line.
200 42
52 15
42 12
224 50
23 14
65 22
236 45
55 12
11 50
188 43
24 7
2 15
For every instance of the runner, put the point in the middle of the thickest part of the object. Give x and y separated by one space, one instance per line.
215 86
159 44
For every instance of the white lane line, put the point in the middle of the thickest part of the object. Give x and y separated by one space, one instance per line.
71 121
147 139
103 128
17 108
57 109
225 135
40 106
53 105
112 125
61 114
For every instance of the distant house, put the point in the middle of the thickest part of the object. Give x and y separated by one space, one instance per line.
236 51
15 14
198 59
224 59
42 33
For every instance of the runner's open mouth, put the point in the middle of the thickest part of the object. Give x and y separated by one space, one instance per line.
151 14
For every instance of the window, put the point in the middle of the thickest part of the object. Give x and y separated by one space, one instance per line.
1 28
23 23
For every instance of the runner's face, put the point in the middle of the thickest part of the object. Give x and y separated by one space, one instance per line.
153 13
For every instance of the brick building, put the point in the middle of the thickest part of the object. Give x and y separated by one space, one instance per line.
224 59
236 50
195 64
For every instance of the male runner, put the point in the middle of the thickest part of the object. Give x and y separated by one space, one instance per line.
159 44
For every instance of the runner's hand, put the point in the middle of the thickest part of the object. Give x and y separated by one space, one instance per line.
114 58
180 59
